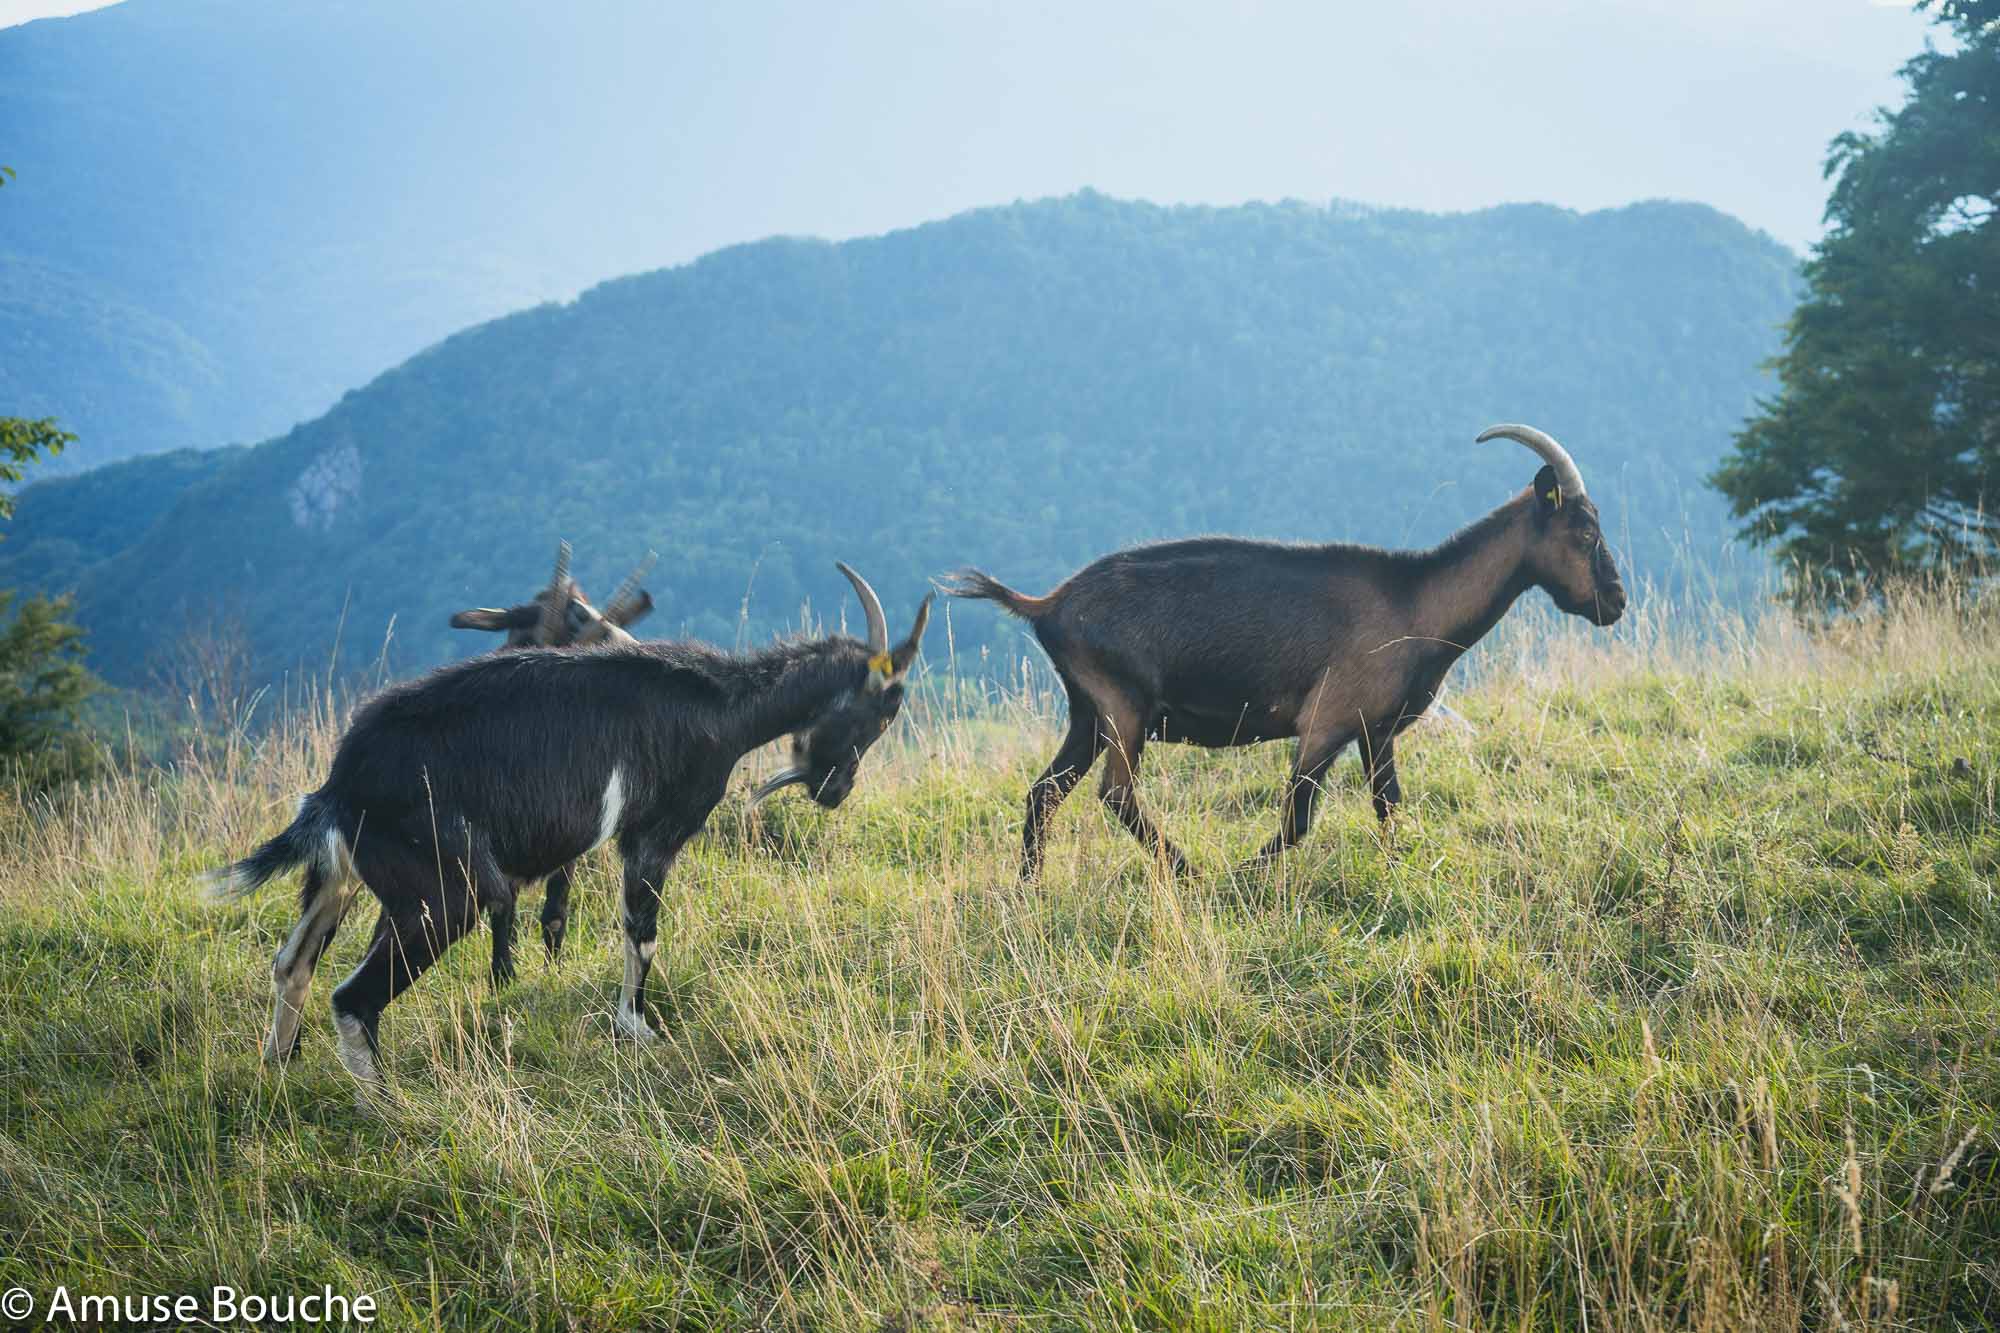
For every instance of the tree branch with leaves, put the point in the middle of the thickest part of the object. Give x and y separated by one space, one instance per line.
43 682
1880 455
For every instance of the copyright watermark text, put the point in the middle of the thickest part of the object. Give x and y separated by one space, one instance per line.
218 1305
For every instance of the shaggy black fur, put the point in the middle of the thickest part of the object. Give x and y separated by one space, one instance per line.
448 792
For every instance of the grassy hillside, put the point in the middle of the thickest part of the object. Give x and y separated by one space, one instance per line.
1672 1002
79 521
1020 387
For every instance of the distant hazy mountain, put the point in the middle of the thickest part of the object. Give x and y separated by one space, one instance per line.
229 211
1021 387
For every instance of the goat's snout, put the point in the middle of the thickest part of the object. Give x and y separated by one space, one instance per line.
1610 604
830 793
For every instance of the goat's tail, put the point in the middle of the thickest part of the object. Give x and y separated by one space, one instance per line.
981 586
313 837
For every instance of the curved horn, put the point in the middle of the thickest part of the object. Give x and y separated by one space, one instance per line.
1550 452
555 606
615 608
772 786
878 624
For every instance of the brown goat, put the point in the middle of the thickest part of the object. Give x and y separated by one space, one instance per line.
1218 642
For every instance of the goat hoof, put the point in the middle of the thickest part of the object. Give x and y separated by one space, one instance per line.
358 1051
503 972
628 1023
275 1055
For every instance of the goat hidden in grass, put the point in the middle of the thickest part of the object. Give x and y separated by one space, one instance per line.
559 616
448 792
1220 642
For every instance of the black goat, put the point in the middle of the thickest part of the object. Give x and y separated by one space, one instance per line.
559 616
1219 642
448 791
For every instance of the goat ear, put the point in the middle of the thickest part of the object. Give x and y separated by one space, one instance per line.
494 619
1549 495
905 652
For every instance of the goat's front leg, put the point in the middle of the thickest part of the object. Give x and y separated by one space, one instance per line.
500 920
647 861
1316 754
1380 759
555 912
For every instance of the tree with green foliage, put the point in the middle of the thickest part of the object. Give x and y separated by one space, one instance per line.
43 686
22 441
43 682
1880 455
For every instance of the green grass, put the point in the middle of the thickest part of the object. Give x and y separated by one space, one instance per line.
1671 1001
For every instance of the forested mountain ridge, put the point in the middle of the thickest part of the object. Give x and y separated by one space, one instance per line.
1021 387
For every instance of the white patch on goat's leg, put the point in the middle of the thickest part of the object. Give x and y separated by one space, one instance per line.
612 809
355 1051
630 1018
288 989
292 969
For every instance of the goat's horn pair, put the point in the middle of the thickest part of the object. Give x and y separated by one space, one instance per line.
871 606
555 606
1557 457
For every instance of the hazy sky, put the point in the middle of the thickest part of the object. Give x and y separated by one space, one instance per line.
835 120
20 11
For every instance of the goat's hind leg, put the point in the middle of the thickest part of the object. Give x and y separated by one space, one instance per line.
322 903
1125 739
1079 751
424 912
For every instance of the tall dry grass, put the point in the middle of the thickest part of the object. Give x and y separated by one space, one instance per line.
1669 1002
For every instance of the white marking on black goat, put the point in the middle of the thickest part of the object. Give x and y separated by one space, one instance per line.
355 1052
630 1018
332 868
613 806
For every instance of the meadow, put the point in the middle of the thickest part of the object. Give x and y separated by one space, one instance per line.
1670 1000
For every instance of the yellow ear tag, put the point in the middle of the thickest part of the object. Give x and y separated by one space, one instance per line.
1556 497
882 665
